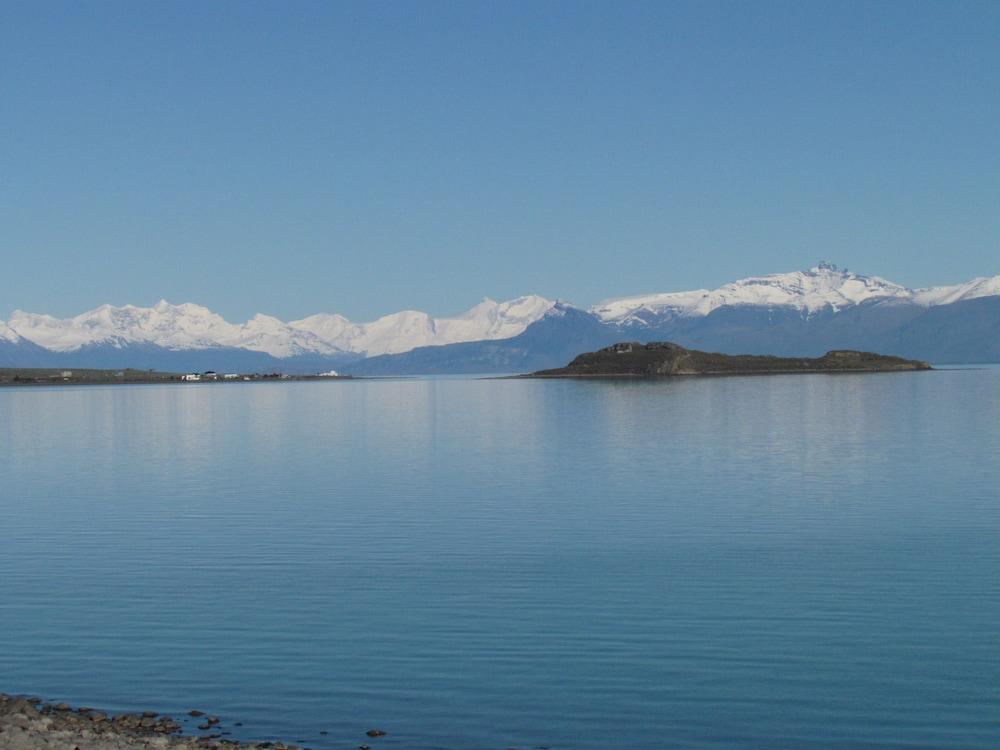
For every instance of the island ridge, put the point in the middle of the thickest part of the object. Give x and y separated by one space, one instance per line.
666 359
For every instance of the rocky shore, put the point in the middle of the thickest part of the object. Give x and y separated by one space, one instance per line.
28 723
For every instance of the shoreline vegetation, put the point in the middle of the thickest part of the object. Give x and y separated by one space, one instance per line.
29 723
659 359
24 376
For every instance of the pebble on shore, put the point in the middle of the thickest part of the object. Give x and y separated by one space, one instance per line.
28 723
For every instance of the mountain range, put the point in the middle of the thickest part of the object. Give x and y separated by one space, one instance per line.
803 313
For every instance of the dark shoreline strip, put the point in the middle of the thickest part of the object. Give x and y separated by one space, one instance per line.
28 722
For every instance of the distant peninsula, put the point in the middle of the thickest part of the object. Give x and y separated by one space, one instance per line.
12 376
666 359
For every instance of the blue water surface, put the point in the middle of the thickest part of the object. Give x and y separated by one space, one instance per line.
802 561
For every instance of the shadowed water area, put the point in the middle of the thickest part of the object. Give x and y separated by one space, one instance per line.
803 561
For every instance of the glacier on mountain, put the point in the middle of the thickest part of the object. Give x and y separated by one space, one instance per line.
814 293
982 286
191 327
824 286
173 327
402 331
8 334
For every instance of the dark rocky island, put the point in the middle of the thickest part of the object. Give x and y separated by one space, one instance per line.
663 359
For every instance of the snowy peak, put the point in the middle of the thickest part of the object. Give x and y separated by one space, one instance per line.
409 329
493 320
265 333
49 332
173 327
8 334
189 326
824 286
982 286
192 327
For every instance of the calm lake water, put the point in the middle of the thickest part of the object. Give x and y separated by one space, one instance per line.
755 562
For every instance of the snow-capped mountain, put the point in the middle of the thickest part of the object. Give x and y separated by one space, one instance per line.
173 327
805 313
791 314
823 287
981 286
8 334
409 329
193 327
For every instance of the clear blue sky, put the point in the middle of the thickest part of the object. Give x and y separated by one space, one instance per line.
367 157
